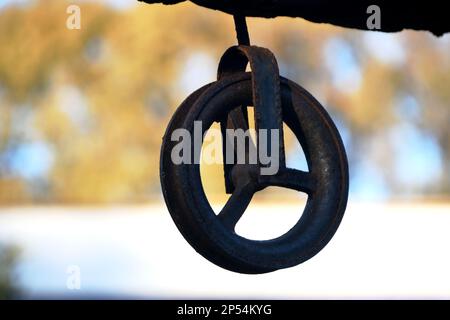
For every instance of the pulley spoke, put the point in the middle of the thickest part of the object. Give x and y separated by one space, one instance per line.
236 119
239 120
236 205
292 179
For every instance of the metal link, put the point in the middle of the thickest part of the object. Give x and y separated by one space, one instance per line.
266 99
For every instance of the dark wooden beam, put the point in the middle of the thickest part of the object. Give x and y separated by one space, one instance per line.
396 15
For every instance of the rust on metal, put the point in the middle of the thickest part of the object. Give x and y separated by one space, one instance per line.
276 100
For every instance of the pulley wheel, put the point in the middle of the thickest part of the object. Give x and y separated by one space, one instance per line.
326 182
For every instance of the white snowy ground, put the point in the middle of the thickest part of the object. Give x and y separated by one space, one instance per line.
380 251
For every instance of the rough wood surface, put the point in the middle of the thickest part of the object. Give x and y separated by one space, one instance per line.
396 15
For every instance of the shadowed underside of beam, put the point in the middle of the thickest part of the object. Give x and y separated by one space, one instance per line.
396 15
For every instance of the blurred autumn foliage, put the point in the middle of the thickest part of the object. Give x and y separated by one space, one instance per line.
82 112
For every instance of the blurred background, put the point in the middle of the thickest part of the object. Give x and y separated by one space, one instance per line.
82 114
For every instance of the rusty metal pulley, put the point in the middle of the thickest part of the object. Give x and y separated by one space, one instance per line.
276 100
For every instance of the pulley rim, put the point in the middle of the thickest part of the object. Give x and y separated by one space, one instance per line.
193 214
